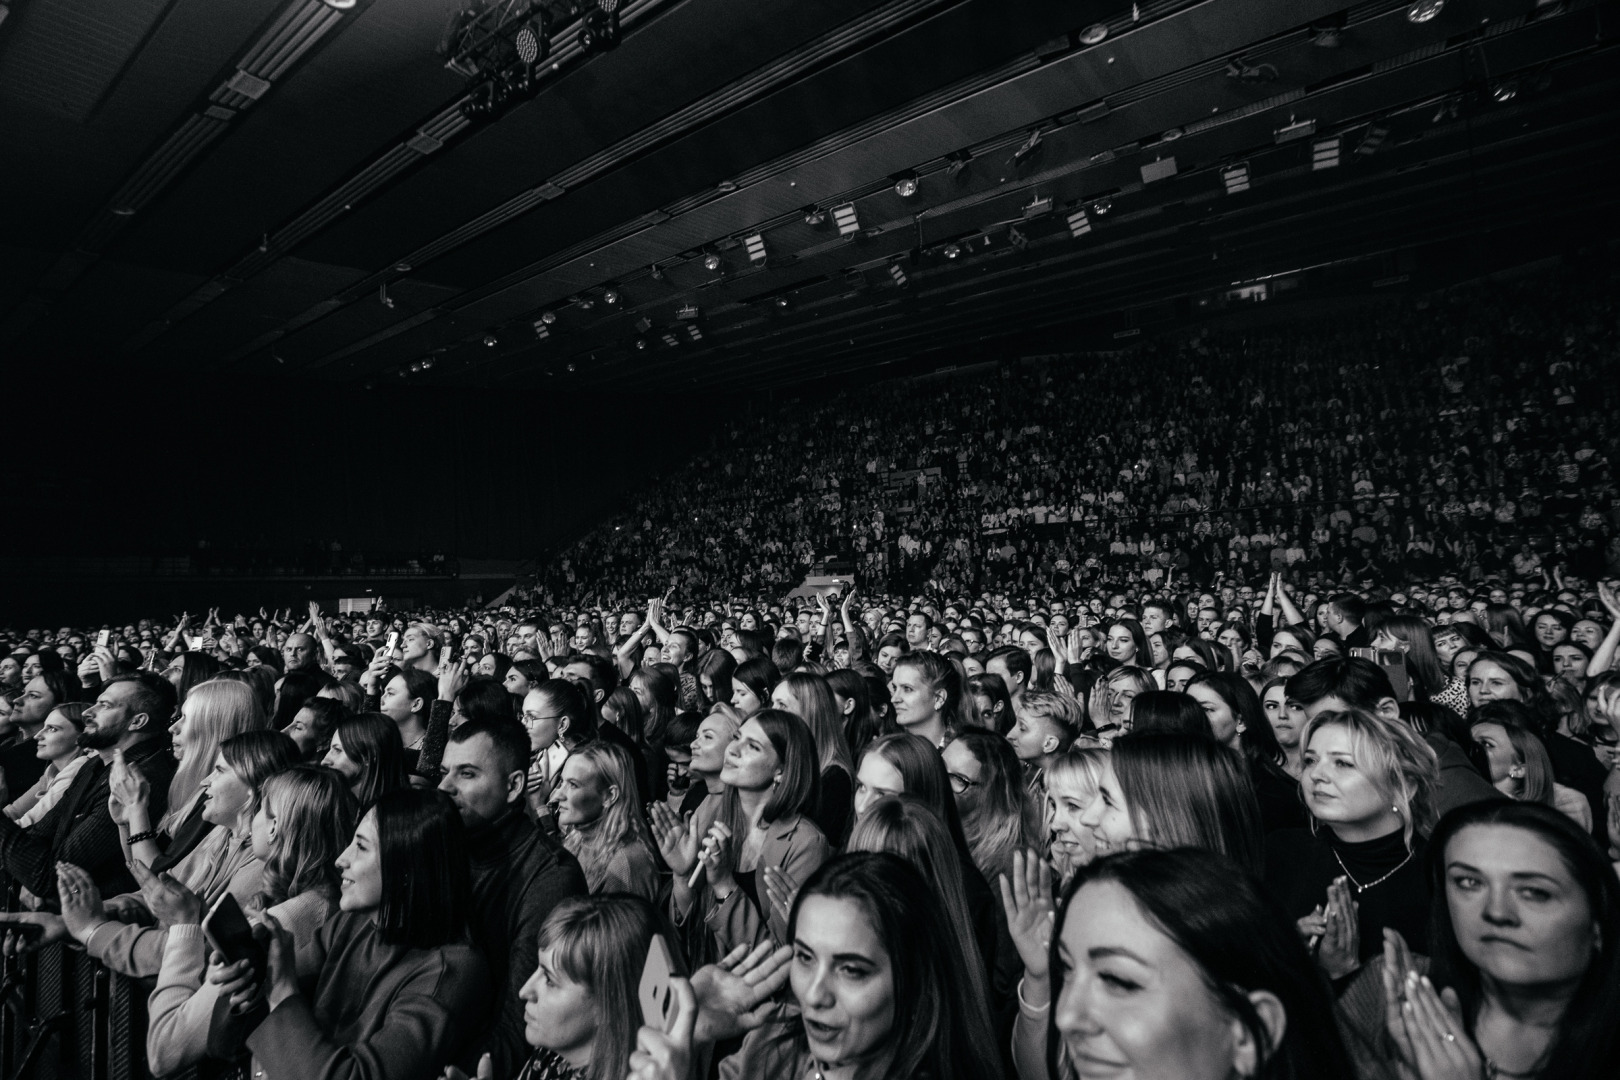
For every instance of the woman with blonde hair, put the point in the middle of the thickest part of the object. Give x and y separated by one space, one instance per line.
213 712
988 783
598 807
1368 783
1071 786
305 818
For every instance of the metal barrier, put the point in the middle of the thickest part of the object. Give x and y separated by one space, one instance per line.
65 1017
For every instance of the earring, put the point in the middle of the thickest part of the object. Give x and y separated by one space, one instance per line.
1241 727
1396 808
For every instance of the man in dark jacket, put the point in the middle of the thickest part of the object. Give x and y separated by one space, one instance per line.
132 714
519 874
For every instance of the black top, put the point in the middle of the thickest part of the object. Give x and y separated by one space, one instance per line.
187 835
835 805
21 764
1281 806
693 798
1300 866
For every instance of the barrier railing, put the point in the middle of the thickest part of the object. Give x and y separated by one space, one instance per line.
63 1016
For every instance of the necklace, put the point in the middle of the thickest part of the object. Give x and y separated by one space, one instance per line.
1360 888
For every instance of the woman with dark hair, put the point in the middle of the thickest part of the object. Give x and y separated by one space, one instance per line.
890 649
1166 710
853 694
1207 653
1168 964
1506 627
657 690
57 745
751 685
265 656
759 824
988 703
715 670
810 698
188 669
1525 978
396 980
494 665
926 690
1517 761
1126 644
483 698
524 675
292 690
1166 789
1238 721
1411 636
880 992
367 751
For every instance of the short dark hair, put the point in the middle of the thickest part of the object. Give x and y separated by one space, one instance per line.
1017 660
154 695
682 729
420 684
507 737
372 741
604 675
427 883
485 699
1359 683
1350 606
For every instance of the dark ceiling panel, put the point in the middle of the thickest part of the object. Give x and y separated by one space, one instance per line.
64 55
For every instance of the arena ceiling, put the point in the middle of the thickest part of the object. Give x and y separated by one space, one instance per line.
721 201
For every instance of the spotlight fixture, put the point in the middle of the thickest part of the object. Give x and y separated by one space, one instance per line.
610 296
1325 154
1326 37
1079 223
585 303
1424 10
548 317
571 368
1506 91
898 274
671 340
782 301
1101 207
599 27
711 261
427 362
1236 178
1093 34
1172 134
846 219
693 332
643 324
491 341
755 245
1017 239
815 216
533 40
951 251
641 343
905 185
279 358
541 330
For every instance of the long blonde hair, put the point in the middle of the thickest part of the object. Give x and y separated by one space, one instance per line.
621 822
216 710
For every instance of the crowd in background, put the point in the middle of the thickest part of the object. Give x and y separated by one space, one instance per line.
1014 804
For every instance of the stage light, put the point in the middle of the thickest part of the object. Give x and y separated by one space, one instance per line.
1506 91
957 162
815 216
643 324
427 362
1016 239
641 343
1236 178
491 340
782 301
1325 154
693 332
897 274
1372 140
533 40
1424 10
548 317
846 219
585 303
905 185
1101 207
599 28
610 296
711 261
571 368
541 330
1079 223
1326 37
756 248
951 251
1093 34
671 340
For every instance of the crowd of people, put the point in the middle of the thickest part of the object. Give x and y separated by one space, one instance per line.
1258 720
1467 430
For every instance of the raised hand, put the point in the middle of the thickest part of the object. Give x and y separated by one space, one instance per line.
1027 900
1610 598
486 1071
452 679
170 902
1338 950
127 785
677 839
718 857
80 899
780 891
734 995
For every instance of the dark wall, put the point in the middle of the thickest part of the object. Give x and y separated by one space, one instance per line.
110 465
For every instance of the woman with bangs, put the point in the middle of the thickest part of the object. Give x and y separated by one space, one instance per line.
305 818
213 712
1368 783
1071 787
757 833
1238 721
367 751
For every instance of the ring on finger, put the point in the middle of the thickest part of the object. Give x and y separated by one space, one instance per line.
1450 1037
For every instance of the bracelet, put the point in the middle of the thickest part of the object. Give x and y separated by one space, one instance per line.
136 838
1026 1006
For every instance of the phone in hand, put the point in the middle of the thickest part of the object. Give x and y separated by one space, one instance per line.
104 639
393 640
194 642
449 652
27 931
656 994
231 935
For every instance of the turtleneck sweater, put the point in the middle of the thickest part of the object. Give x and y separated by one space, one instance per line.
1300 866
